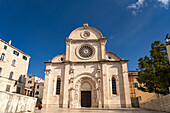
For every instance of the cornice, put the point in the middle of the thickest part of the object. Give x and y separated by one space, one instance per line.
14 48
101 61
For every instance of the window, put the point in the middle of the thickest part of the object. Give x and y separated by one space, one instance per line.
29 76
109 57
8 88
58 86
5 47
37 93
29 82
37 86
13 62
136 85
16 53
11 75
24 57
2 57
62 59
0 71
113 85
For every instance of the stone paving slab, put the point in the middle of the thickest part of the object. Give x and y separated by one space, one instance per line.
95 110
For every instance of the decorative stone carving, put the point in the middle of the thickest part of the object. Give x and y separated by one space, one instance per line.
47 72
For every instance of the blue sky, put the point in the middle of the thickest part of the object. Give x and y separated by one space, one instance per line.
39 27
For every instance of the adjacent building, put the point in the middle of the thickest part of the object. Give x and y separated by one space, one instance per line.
34 86
135 94
86 75
13 68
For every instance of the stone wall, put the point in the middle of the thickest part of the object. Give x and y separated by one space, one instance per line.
11 102
159 104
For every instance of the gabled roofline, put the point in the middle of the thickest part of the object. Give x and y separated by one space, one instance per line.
14 47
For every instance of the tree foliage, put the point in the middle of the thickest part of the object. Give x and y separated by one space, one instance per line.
154 71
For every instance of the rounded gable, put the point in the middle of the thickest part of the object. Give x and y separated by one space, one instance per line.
85 32
59 58
112 57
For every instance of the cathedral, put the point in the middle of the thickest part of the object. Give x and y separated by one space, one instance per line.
86 75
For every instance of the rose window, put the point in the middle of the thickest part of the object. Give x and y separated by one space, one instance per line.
85 51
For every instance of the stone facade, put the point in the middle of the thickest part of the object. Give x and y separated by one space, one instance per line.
159 104
16 103
86 75
34 86
134 92
13 68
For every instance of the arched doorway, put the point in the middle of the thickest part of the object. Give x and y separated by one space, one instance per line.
86 90
85 85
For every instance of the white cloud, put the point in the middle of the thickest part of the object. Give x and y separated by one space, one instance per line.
165 3
136 7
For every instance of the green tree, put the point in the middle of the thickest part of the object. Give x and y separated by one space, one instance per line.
154 71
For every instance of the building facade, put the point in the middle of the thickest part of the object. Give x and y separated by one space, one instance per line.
135 93
86 75
34 86
13 68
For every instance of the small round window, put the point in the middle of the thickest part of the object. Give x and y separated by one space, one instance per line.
109 57
85 34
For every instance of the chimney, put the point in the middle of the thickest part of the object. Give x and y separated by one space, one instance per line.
9 42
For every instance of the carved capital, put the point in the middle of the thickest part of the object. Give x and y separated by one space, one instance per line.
68 41
103 41
47 71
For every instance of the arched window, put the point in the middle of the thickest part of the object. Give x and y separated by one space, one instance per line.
58 86
13 62
0 71
2 57
113 85
11 75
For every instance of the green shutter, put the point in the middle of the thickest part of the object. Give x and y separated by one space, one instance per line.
136 85
17 53
5 47
14 52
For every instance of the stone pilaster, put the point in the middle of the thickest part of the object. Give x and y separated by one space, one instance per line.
46 90
126 84
65 86
103 51
104 86
68 41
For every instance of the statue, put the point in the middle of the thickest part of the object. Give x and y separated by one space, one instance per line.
167 39
167 36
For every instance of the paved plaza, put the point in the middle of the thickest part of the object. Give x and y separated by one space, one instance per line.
95 110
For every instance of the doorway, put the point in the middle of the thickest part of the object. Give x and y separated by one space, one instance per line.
85 98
